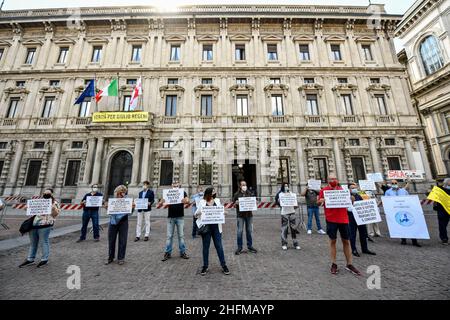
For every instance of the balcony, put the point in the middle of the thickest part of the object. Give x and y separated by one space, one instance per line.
349 119
313 119
44 121
168 120
278 119
241 119
8 122
83 121
384 119
207 119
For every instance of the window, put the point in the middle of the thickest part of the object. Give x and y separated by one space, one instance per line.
321 170
3 145
342 80
272 53
172 81
136 53
317 142
168 144
12 109
240 52
277 105
241 80
336 52
47 112
1 53
389 142
431 55
354 142
38 145
311 105
85 108
131 82
20 84
31 52
308 80
171 106
304 52
207 52
77 144
359 172
381 103
394 163
367 52
374 80
205 144
206 105
274 80
96 54
34 168
205 174
283 171
242 105
54 83
63 52
2 164
166 175
282 143
207 81
126 103
347 101
175 50
72 172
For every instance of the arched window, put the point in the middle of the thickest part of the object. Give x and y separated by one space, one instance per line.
431 55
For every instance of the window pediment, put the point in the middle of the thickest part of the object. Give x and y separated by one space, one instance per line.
311 88
136 39
207 38
206 88
272 38
335 38
32 42
97 40
170 88
49 89
379 88
304 38
175 38
242 88
343 88
276 87
16 90
4 43
64 41
366 39
240 37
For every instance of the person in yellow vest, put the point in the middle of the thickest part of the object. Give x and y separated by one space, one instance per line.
442 214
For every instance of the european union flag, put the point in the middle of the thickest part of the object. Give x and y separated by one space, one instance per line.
88 92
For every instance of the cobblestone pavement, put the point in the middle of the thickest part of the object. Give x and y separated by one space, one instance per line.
406 272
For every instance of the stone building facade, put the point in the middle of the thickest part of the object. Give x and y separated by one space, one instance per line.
266 93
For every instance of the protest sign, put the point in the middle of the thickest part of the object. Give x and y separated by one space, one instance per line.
120 205
39 207
288 199
337 198
247 204
440 196
212 215
367 185
375 177
314 184
366 212
406 174
173 196
141 203
94 201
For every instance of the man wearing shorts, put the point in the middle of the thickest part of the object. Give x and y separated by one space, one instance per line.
337 220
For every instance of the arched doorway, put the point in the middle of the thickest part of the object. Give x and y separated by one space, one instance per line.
120 170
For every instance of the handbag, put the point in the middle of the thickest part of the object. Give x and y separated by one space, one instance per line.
204 229
27 225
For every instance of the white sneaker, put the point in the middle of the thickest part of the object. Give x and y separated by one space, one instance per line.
297 247
321 232
284 247
309 232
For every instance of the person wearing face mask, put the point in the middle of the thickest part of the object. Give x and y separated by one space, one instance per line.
244 218
354 228
90 213
40 233
195 200
337 220
442 214
146 193
287 220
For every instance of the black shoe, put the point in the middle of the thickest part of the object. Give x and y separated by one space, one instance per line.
146 239
444 242
79 240
225 270
109 261
42 263
252 250
369 252
26 263
356 253
238 252
403 242
416 244
370 239
136 239
204 271
184 255
166 256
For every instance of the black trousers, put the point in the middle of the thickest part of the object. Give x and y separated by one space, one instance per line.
120 229
362 233
443 219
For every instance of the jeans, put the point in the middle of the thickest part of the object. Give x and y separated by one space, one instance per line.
362 234
194 227
288 222
217 239
88 215
146 216
443 219
39 236
248 231
122 230
313 211
171 223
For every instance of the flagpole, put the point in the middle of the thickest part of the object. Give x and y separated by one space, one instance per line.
118 93
95 91
141 98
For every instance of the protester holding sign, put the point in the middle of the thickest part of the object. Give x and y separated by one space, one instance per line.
195 199
244 218
148 194
313 209
91 213
209 231
176 218
287 218
40 233
337 219
440 204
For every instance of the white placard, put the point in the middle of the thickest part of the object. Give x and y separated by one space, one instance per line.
406 174
120 205
314 184
247 204
366 211
344 187
173 196
375 177
367 185
288 199
141 203
337 199
94 201
39 207
404 216
212 215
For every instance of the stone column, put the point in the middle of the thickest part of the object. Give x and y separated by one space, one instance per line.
301 162
375 156
338 161
409 154
145 159
424 157
98 160
136 161
89 161
55 163
16 162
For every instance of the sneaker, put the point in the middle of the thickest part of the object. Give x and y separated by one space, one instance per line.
121 262
370 252
136 239
184 255
444 242
309 232
321 232
334 268
297 247
225 270
356 253
238 252
252 250
146 239
79 240
26 263
41 264
166 256
353 270
204 271
284 247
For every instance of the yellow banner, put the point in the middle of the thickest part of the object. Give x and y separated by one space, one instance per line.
130 116
439 195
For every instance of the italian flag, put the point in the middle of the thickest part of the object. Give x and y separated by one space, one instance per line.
110 91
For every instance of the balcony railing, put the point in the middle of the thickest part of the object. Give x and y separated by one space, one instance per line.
241 119
384 119
313 119
9 122
44 121
207 119
349 119
278 119
82 121
169 120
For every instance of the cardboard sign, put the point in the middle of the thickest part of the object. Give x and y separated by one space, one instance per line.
212 215
375 177
337 199
173 196
94 201
247 204
366 212
141 204
367 185
288 200
39 207
406 174
404 216
314 184
120 205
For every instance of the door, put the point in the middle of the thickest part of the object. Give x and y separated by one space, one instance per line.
120 170
244 171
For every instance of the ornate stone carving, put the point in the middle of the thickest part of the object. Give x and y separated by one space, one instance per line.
274 87
206 88
241 88
311 88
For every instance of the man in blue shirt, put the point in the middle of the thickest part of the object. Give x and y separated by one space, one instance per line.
194 200
90 213
146 193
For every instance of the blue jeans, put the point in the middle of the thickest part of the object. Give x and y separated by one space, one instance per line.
39 236
171 223
248 231
313 211
87 215
217 239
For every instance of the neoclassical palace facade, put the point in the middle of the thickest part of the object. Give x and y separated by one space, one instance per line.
262 92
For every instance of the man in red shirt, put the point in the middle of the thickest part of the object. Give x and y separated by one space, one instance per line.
337 219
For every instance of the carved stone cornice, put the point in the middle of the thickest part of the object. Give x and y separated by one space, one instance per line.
206 88
310 87
242 88
270 88
377 88
171 88
16 91
345 87
118 25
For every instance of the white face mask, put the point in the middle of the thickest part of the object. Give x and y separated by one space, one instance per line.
244 188
94 189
